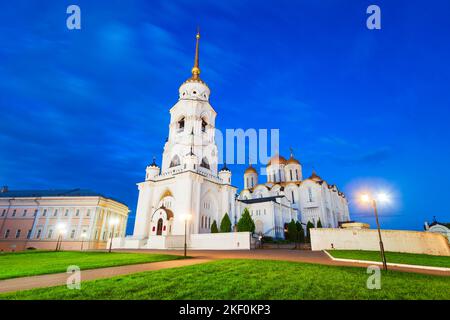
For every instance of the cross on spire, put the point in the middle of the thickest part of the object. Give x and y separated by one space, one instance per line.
196 68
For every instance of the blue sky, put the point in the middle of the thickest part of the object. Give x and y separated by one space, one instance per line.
90 108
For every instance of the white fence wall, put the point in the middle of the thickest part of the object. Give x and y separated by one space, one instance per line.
221 241
393 240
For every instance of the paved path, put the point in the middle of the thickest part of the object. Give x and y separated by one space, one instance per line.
58 279
307 256
199 256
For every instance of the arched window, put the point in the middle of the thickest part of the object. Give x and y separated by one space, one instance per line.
296 174
180 124
310 194
291 173
205 163
175 161
293 198
204 124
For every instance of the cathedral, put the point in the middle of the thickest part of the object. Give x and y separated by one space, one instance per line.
188 192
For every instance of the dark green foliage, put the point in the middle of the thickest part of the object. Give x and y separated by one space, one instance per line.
309 225
300 232
214 228
319 224
225 224
246 222
292 231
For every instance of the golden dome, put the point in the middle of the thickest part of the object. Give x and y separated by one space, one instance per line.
292 160
276 160
315 177
250 169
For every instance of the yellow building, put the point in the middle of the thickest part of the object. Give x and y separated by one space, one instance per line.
79 219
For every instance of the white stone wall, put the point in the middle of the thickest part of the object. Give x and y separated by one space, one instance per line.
221 241
393 240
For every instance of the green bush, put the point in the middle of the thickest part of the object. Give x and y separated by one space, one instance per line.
246 223
225 224
319 224
292 231
300 232
214 228
309 225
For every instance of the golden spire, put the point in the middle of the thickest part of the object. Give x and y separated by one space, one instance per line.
196 68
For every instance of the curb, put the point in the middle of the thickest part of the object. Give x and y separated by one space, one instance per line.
412 266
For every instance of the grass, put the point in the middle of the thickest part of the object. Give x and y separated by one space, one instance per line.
251 279
22 264
394 257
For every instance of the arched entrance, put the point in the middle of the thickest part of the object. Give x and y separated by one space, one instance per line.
160 227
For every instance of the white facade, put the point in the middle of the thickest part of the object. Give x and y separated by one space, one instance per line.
37 218
286 196
189 183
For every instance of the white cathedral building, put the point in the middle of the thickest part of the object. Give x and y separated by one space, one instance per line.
189 184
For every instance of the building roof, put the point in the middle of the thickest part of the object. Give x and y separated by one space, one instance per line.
277 160
250 169
53 193
258 200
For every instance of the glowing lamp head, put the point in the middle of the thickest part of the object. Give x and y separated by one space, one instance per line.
186 217
383 197
114 221
365 198
61 227
84 235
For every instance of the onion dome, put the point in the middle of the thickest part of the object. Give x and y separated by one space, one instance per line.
224 168
277 160
292 160
250 169
195 88
153 164
315 177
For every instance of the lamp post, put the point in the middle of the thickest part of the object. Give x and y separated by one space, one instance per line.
61 229
383 198
186 218
83 236
113 222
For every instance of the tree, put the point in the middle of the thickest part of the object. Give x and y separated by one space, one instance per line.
214 227
300 232
246 223
309 225
225 224
319 224
292 231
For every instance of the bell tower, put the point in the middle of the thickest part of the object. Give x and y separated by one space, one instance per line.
192 127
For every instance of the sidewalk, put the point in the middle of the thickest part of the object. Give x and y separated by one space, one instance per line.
58 279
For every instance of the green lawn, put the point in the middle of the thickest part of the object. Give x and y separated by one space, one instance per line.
251 279
21 264
393 257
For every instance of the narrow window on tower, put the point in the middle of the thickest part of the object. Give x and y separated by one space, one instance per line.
291 173
205 163
296 174
293 199
181 125
310 194
204 124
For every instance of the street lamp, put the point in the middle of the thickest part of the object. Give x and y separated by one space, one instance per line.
113 222
83 236
61 229
186 217
382 197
